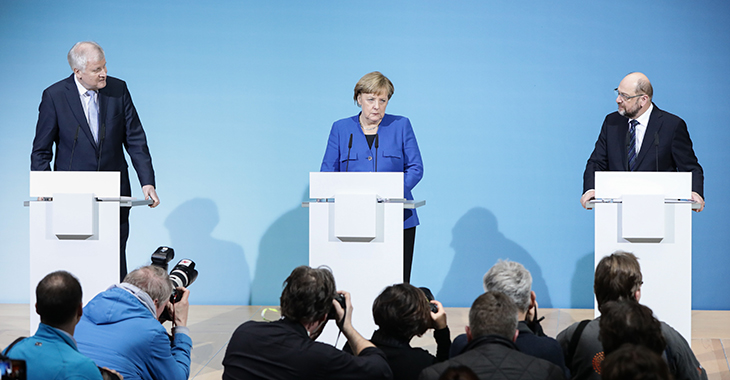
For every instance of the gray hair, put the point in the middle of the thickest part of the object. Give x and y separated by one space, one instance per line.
493 313
512 279
81 52
152 280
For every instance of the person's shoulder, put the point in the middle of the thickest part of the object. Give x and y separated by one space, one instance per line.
61 85
115 81
345 122
665 116
670 334
434 371
389 119
615 118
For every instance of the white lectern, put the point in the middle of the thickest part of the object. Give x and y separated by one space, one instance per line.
75 227
649 214
356 228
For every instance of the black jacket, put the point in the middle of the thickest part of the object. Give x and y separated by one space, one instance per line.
495 357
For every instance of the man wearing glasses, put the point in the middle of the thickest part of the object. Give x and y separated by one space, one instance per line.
641 137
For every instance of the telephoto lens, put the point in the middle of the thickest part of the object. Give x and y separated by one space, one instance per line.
182 275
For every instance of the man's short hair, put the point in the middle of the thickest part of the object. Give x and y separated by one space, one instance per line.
493 313
628 321
618 277
81 52
58 297
153 280
308 294
632 362
512 279
402 312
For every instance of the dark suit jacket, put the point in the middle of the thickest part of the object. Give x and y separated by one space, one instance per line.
61 121
666 137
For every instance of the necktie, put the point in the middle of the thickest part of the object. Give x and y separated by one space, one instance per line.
93 114
632 146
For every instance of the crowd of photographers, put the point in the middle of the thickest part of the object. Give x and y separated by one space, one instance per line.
119 333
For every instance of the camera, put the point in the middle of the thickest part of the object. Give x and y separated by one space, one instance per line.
182 275
12 369
333 312
429 297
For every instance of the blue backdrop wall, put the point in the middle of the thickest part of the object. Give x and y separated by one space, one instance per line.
506 99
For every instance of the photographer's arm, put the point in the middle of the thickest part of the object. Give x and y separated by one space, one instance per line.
354 339
441 333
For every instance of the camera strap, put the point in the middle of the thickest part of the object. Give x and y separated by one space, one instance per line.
11 346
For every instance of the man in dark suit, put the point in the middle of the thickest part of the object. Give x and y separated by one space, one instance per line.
90 117
641 137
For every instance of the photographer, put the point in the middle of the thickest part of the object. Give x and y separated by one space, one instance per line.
401 312
51 353
285 349
120 328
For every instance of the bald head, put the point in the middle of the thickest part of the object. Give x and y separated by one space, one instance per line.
639 83
634 95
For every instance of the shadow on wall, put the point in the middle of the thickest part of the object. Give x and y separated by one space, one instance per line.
477 245
581 287
284 246
224 274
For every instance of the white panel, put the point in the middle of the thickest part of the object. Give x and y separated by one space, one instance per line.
362 268
642 217
355 217
666 266
672 185
74 216
101 184
327 184
95 261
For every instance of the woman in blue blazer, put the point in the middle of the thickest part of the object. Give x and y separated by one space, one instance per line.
390 136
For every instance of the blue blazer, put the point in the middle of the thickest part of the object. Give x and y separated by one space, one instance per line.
397 152
666 138
61 121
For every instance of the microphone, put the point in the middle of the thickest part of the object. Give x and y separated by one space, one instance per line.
376 152
102 131
73 147
349 146
656 149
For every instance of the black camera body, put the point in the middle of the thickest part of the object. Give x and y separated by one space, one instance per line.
429 297
182 275
333 312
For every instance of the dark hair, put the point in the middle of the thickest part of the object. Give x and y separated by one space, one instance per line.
618 277
308 294
493 313
630 322
460 372
402 311
58 297
632 362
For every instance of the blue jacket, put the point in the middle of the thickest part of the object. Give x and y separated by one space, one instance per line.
51 354
397 152
118 331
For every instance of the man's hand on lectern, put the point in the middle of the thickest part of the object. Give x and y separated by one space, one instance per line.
150 193
590 194
698 198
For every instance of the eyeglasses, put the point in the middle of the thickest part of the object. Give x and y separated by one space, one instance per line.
625 97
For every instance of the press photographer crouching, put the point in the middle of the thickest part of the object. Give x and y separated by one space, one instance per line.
401 312
120 328
285 349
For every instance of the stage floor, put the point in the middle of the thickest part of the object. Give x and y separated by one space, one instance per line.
211 328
